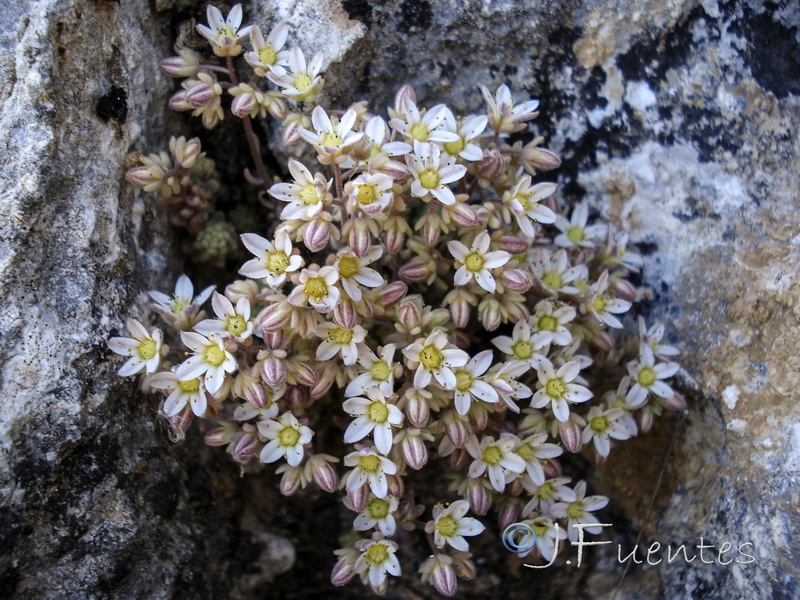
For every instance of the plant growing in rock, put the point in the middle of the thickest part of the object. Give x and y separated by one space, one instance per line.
424 299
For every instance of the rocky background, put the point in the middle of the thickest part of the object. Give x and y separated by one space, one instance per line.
678 121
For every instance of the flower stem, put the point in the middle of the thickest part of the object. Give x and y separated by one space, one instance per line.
252 139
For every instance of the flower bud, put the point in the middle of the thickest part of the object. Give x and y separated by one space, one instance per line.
316 234
459 458
430 224
552 469
516 280
255 393
290 481
459 301
677 402
322 472
273 371
245 447
490 315
409 313
344 313
150 178
479 496
244 102
304 373
604 341
359 237
178 101
624 289
186 153
391 294
186 64
297 398
200 94
343 571
242 288
463 215
358 498
541 159
395 230
491 165
273 339
415 452
508 514
438 570
276 104
512 244
395 485
570 434
406 92
324 383
218 436
416 270
464 567
275 316
417 409
290 135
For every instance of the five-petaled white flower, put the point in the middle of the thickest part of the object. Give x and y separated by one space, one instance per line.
331 141
376 132
554 271
476 261
556 388
181 393
286 438
547 494
648 377
224 34
144 349
267 54
376 560
523 344
469 384
467 130
339 340
551 322
379 372
231 321
371 193
575 232
450 525
533 450
373 414
353 271
306 196
579 511
182 309
273 260
523 202
653 337
210 358
378 513
603 424
548 535
302 82
505 115
432 357
431 176
496 458
423 129
603 306
369 467
317 288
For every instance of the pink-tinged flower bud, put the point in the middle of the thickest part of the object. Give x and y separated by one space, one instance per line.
242 288
464 567
404 93
391 294
459 458
275 316
508 514
512 244
180 423
604 341
297 398
211 118
324 383
245 447
316 234
491 165
414 450
274 339
395 230
645 418
290 481
276 104
200 94
244 103
516 310
304 373
570 434
323 473
540 159
146 177
415 271
380 590
417 410
290 135
552 468
358 498
463 215
516 280
480 498
343 571
218 436
677 402
178 101
359 238
431 228
186 153
344 313
625 289
255 393
442 574
515 488
273 371
479 419
490 314
395 485
409 313
184 65
597 459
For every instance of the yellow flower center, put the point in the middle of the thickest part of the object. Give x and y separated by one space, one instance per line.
369 463
178 304
556 388
473 261
332 140
277 261
539 528
366 194
214 355
525 202
236 325
522 350
599 304
316 288
492 455
309 195
348 266
447 526
429 179
552 280
378 508
463 381
379 370
453 148
420 132
599 424
545 491
377 554
575 510
267 56
547 323
646 377
193 385
431 358
288 436
302 81
525 452
147 349
378 412
341 336
576 234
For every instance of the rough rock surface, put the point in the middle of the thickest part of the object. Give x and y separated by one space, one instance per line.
676 119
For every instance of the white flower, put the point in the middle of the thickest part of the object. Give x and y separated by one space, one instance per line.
376 560
551 322
431 176
467 130
373 414
648 377
523 202
232 321
376 132
468 384
378 513
505 115
497 459
523 344
556 388
331 142
182 309
144 349
503 377
547 494
653 337
286 439
338 340
476 261
603 306
302 82
306 196
267 54
422 130
379 374
224 34
579 511
533 450
273 260
371 193
554 272
317 288
181 393
246 411
353 271
548 535
369 467
450 525
575 232
210 357
432 357
603 424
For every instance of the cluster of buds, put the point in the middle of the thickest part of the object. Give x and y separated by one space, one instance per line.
428 288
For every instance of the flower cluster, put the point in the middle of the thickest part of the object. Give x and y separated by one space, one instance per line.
425 288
